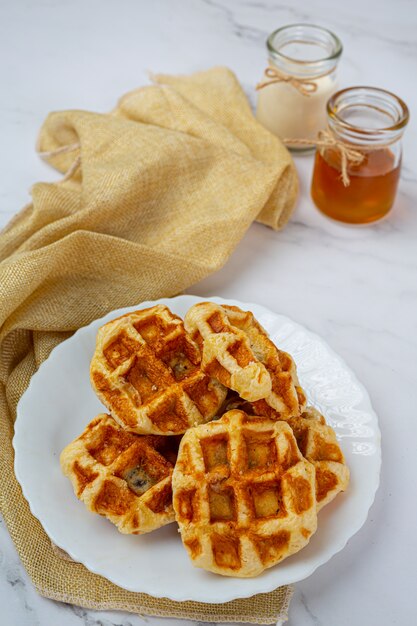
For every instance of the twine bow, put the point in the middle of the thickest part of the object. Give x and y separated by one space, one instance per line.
348 155
274 75
327 139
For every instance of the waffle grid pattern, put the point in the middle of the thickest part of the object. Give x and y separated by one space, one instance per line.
124 477
233 341
244 497
317 442
227 353
146 371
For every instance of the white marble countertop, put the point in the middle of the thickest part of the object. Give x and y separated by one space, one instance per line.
355 287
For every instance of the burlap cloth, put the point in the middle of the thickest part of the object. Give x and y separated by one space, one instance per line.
157 195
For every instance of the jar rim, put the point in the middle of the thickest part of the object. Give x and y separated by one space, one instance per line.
338 48
334 102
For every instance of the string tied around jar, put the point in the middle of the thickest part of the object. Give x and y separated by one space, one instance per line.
305 86
327 139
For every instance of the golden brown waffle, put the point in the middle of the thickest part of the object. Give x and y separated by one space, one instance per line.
238 352
125 477
227 353
318 444
243 495
146 371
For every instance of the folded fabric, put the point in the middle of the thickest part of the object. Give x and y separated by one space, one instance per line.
156 196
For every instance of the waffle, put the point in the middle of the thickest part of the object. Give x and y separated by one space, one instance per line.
227 353
238 352
243 495
318 444
146 371
125 477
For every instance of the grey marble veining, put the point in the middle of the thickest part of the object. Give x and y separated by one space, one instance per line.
357 287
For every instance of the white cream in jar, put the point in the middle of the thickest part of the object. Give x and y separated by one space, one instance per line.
301 78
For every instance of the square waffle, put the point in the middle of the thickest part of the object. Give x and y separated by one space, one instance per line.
125 477
243 495
238 352
146 371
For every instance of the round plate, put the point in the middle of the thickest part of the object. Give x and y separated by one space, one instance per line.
58 405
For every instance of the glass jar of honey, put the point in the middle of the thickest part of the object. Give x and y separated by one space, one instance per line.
370 122
299 80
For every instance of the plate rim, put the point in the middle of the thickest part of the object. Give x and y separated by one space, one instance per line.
184 596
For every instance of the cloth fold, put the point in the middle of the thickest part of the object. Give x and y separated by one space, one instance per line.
157 194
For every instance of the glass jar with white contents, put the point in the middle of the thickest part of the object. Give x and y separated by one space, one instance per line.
299 80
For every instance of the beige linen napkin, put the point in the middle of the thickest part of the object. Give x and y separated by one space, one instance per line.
156 196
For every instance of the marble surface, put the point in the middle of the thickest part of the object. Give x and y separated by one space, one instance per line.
355 287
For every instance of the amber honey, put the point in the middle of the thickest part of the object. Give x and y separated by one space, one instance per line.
371 190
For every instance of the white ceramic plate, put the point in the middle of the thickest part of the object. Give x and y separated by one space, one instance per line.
60 402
